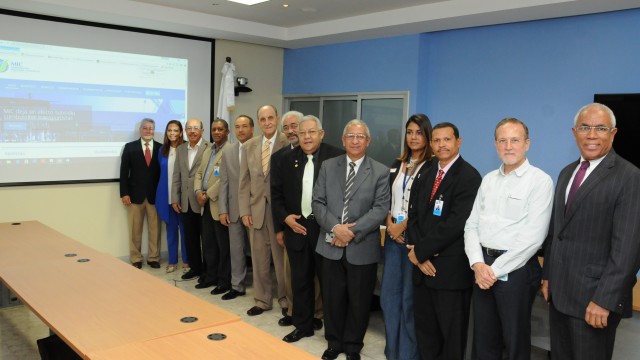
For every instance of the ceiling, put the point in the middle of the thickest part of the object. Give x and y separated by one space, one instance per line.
311 22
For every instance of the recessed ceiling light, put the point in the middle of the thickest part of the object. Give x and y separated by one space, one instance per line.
248 2
285 5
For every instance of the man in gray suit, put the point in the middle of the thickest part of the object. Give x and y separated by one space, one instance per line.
229 208
350 201
183 197
592 252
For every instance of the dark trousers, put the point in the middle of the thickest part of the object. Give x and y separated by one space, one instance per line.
502 314
215 250
192 226
441 322
305 265
347 292
574 339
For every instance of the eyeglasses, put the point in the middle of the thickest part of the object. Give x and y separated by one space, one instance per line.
513 142
311 133
359 137
293 126
599 129
189 128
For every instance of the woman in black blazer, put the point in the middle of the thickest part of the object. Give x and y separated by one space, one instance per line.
396 293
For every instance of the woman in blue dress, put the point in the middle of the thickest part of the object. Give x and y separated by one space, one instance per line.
173 136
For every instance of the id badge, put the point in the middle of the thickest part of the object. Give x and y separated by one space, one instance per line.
216 171
504 277
437 209
400 217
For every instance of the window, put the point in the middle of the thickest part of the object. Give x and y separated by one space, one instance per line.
384 113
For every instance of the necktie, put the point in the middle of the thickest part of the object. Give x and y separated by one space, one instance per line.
205 179
347 192
266 155
307 187
147 153
577 180
436 184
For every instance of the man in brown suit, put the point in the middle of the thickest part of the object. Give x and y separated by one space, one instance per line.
255 209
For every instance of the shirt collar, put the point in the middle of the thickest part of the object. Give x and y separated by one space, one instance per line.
521 170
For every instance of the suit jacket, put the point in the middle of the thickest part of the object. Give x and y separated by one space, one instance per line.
229 182
369 206
286 185
138 180
593 249
443 235
213 181
184 177
254 189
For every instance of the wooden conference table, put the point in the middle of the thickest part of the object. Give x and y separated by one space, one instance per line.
104 308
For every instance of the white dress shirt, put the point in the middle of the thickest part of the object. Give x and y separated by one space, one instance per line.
592 166
192 151
511 212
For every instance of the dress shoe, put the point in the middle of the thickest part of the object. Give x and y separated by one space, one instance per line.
317 324
220 290
154 264
255 311
330 354
286 321
296 335
353 356
232 294
137 264
204 284
189 275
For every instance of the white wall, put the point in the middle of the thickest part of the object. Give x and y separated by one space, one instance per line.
93 213
262 66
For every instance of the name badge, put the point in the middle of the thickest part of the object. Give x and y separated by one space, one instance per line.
437 209
216 171
400 217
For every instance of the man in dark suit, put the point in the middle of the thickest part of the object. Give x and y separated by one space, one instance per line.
507 226
139 176
440 203
593 248
255 210
292 178
183 196
229 206
350 200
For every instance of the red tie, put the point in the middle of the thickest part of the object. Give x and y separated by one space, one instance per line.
436 184
147 154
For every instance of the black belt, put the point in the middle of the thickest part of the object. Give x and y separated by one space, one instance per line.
493 252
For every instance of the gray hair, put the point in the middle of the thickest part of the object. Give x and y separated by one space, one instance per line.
311 118
147 120
356 122
297 114
600 107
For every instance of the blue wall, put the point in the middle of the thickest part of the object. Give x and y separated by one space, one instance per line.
540 72
389 64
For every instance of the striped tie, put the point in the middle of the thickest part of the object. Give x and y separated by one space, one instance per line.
266 155
347 192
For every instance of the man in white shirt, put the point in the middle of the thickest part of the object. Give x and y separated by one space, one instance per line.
507 226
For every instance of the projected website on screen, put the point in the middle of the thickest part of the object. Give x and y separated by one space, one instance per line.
65 111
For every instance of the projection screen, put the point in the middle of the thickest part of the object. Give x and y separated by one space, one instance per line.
72 95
